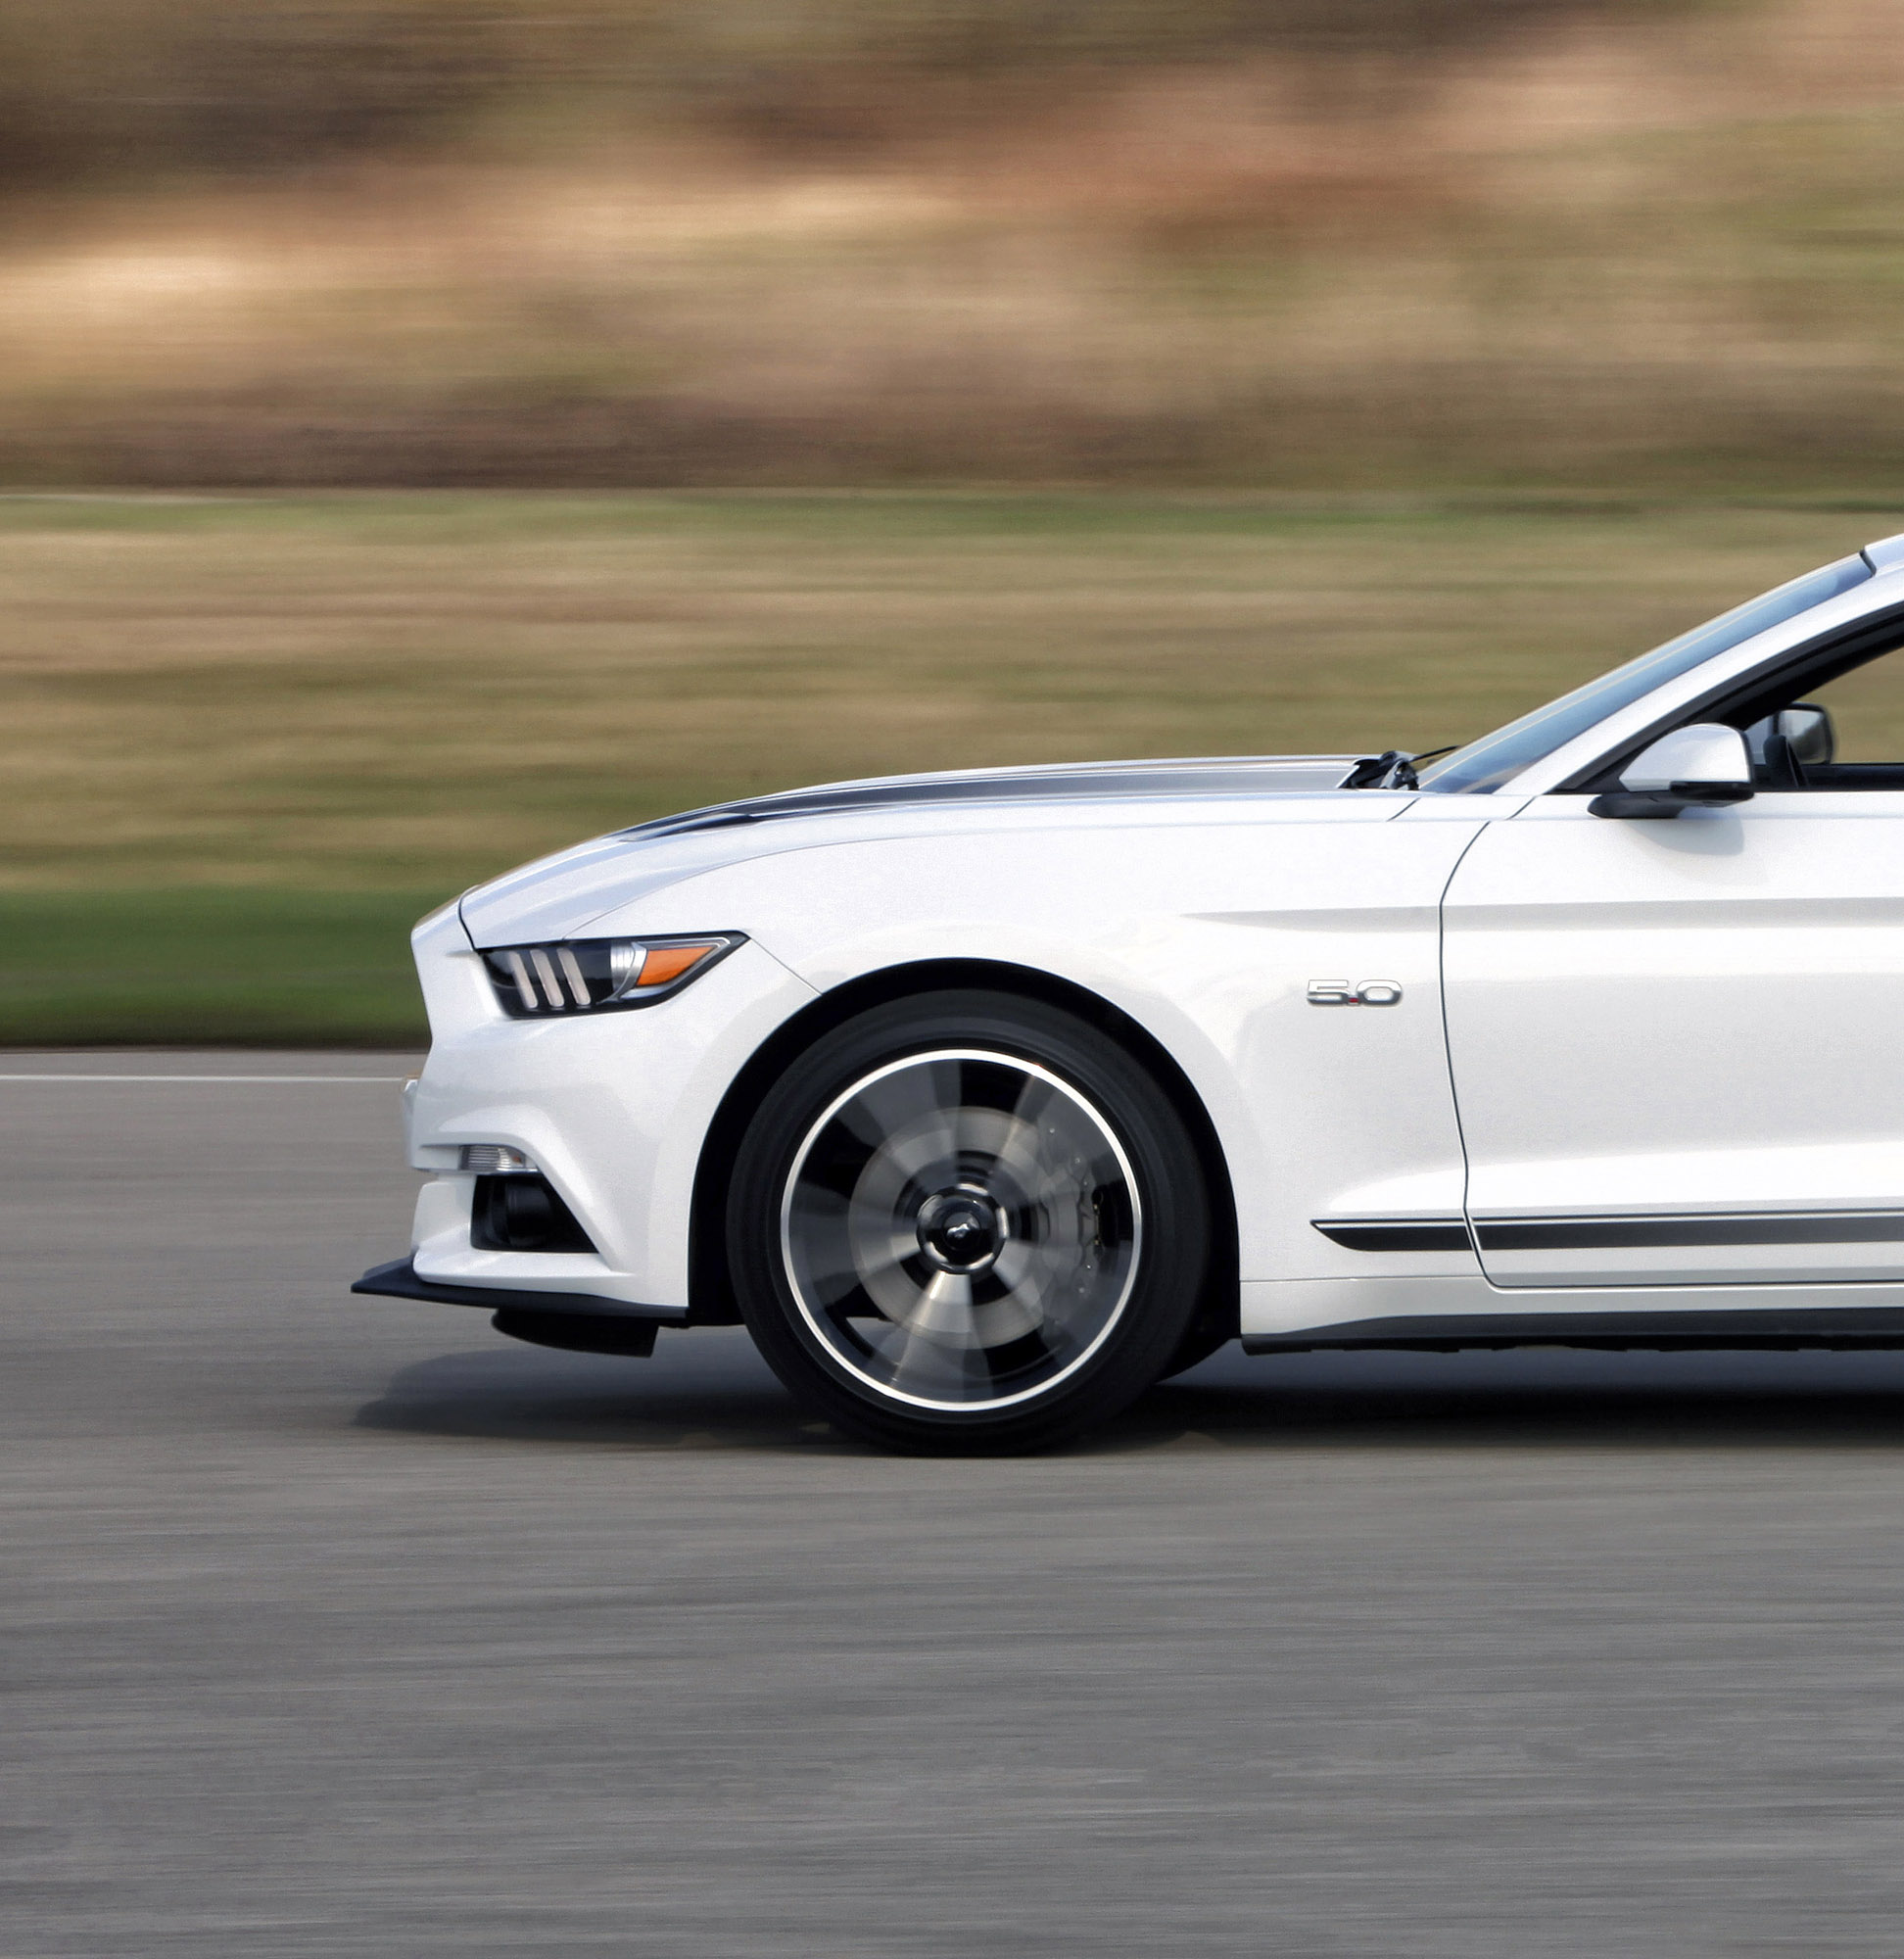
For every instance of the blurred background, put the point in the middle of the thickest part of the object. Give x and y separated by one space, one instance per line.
432 432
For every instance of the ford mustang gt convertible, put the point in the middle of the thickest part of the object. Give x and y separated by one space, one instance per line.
988 1100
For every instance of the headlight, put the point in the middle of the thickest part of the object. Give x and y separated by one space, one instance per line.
583 976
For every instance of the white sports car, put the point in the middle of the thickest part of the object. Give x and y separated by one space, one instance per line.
988 1100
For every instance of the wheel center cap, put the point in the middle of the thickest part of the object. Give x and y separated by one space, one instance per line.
961 1230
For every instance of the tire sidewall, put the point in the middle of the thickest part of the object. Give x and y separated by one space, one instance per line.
1171 1255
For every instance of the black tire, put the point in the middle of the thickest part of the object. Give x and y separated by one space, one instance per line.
1017 1191
1195 1348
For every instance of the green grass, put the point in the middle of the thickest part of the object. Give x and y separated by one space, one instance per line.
210 968
248 742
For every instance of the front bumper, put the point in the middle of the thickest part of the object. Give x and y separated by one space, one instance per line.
613 1109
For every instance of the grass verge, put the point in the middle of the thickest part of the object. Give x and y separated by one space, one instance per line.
210 968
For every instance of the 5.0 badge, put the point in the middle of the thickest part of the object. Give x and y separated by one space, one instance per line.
1367 993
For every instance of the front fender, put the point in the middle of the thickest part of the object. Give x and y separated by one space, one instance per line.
1207 936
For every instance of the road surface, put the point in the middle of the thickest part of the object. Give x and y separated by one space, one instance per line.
338 1626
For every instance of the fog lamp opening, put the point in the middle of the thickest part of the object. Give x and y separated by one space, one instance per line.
523 1213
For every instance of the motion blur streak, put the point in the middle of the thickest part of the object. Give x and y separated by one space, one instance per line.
1282 242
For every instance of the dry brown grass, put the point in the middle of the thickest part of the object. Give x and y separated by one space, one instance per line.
1614 252
96 91
412 692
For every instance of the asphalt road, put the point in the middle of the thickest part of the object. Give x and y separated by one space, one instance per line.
336 1626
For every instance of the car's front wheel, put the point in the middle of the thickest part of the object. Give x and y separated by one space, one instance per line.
966 1223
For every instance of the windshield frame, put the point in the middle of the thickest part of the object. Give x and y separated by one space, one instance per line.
1638 691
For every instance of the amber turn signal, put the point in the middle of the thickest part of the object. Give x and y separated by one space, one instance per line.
667 962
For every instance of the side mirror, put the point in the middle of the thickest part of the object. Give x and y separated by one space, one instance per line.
1702 765
1809 730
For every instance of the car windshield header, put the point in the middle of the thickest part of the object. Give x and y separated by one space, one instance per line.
1496 758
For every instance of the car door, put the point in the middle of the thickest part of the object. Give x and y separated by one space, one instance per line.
1678 1046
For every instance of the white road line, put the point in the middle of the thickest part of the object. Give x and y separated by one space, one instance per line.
379 1081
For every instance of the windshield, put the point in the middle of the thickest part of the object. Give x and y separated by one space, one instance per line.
1496 758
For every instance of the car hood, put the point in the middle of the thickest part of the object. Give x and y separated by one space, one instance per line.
558 896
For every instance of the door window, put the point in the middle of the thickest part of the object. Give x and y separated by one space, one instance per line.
1845 733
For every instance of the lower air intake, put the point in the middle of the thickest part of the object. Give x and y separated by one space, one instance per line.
523 1213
